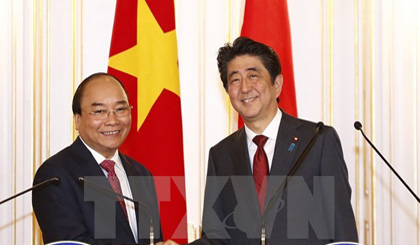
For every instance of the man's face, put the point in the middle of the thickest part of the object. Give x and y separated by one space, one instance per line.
251 91
106 135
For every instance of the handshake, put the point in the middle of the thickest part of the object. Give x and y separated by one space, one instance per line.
168 242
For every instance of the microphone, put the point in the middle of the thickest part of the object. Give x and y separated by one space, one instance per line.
358 126
147 210
54 180
318 130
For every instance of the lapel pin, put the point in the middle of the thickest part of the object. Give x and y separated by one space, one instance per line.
295 139
291 147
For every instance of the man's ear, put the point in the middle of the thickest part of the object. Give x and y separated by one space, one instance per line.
77 120
278 84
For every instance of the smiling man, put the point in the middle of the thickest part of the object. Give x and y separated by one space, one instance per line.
72 211
246 169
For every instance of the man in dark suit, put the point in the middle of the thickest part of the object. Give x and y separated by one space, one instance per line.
247 168
74 211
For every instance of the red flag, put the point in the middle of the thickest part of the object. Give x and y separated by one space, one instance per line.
144 57
267 21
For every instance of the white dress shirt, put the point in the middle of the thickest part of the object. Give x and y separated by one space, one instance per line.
271 132
125 186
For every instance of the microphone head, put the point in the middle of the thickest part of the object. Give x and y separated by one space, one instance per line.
357 125
319 127
56 180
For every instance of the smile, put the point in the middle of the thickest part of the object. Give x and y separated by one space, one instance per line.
111 132
249 99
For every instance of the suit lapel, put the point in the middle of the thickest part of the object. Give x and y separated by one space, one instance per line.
287 145
88 164
240 154
89 167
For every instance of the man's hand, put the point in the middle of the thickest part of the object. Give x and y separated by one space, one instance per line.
168 242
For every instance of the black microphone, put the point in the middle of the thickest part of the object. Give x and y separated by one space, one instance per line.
358 126
55 180
318 130
147 210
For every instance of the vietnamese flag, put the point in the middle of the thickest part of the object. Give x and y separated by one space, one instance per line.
144 57
267 21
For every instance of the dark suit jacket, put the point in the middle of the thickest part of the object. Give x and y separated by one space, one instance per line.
312 210
73 211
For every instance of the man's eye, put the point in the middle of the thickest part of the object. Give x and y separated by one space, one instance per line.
120 111
99 112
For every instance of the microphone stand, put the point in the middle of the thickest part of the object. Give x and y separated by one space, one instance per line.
41 184
318 130
106 191
358 126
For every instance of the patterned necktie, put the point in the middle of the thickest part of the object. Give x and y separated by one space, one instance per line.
108 165
260 169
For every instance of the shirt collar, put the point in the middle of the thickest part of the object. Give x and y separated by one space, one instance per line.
270 131
99 158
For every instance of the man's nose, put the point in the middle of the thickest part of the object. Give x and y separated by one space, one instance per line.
111 119
246 85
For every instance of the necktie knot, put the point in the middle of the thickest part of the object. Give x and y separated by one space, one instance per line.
108 165
260 140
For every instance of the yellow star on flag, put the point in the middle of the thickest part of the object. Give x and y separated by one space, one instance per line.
153 60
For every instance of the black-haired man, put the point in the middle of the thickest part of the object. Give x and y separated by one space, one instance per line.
68 211
247 168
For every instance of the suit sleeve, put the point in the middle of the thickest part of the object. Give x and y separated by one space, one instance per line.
333 164
56 208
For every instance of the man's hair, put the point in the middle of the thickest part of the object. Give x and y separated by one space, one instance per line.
78 95
246 46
